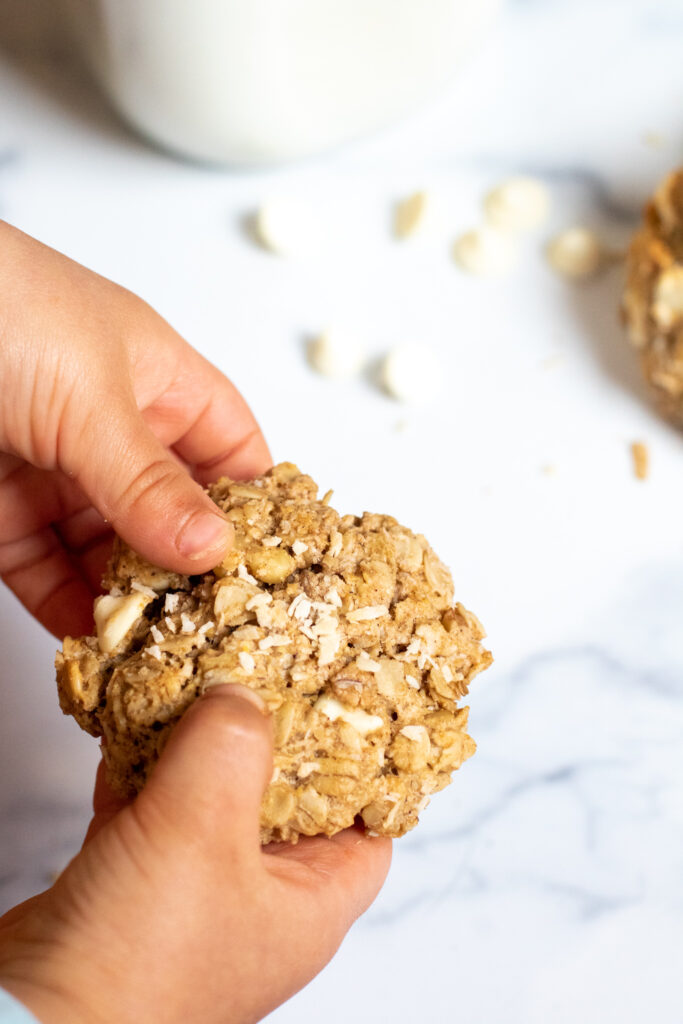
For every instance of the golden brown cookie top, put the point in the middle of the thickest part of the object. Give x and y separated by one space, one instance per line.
344 625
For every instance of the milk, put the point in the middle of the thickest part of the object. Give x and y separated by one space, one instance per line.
261 81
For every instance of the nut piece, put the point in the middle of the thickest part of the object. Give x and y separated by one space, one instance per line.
410 214
486 252
270 565
576 252
519 204
114 616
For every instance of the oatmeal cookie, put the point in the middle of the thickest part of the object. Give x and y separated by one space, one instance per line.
653 299
345 626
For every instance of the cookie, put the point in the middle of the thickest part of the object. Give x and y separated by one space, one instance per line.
345 626
653 299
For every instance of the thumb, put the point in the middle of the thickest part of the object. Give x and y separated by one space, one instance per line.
147 496
211 777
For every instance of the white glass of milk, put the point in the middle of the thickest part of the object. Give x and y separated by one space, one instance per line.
262 81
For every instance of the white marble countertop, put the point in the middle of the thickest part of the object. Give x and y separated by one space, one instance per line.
546 884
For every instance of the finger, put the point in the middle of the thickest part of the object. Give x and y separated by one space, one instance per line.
344 872
106 804
209 783
219 435
150 500
41 574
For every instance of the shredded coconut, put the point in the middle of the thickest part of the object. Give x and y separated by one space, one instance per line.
416 733
366 664
187 626
154 652
328 647
170 624
335 544
258 601
244 575
206 627
171 603
333 598
142 589
412 681
157 635
274 640
375 611
246 661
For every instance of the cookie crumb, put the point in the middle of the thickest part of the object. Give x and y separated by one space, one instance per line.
641 459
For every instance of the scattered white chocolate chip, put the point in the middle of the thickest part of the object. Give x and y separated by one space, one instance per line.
246 661
157 635
371 611
298 547
336 353
114 616
411 373
271 542
519 204
286 227
485 251
576 252
361 721
410 214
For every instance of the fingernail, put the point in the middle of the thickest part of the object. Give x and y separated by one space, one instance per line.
242 693
205 532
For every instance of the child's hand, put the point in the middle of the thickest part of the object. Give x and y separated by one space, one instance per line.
102 406
172 912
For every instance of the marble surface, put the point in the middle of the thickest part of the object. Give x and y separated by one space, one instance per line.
546 884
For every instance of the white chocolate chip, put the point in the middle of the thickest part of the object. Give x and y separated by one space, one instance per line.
335 544
410 214
336 353
298 547
576 252
114 616
411 374
258 601
361 721
328 645
485 251
519 204
271 542
286 227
